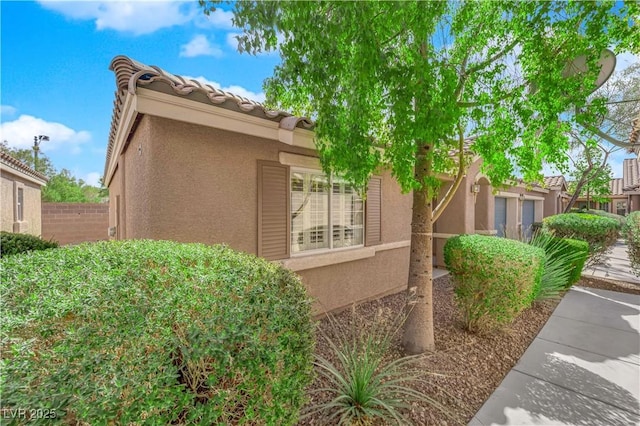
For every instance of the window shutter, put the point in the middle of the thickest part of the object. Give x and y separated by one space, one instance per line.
273 210
373 213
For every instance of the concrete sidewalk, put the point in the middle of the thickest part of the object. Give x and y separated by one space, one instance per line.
582 369
616 266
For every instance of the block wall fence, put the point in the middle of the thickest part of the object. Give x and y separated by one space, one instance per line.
74 223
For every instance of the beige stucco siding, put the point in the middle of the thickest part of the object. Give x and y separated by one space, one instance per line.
204 184
31 223
136 181
338 286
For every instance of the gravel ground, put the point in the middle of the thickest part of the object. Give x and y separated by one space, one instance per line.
472 366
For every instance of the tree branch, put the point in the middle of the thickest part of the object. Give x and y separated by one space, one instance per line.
494 58
606 136
442 205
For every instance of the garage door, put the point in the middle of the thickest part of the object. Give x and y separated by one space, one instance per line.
528 216
501 215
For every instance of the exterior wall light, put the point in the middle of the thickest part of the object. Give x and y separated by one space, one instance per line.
475 188
521 197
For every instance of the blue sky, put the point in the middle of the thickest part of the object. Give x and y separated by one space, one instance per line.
55 56
55 79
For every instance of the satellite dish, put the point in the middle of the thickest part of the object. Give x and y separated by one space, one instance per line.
607 64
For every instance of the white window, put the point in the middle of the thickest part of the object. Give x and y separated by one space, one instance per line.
20 205
320 204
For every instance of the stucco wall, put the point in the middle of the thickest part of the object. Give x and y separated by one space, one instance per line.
634 205
31 223
338 286
74 223
552 203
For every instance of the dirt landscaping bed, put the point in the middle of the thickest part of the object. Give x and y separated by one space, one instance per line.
472 366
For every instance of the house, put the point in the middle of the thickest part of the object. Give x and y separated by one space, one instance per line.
624 194
479 208
21 205
188 162
557 199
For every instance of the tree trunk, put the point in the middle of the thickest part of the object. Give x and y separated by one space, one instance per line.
576 193
418 331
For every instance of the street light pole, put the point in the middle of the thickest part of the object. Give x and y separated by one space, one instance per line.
36 148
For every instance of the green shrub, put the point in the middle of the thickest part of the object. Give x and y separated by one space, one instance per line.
11 243
131 332
621 219
494 278
632 236
598 231
564 260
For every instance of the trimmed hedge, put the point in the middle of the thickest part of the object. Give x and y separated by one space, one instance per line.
131 332
11 243
598 231
494 278
620 219
632 236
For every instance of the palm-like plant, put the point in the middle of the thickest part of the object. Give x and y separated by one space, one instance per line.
366 384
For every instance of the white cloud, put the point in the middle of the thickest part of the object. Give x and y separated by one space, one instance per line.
19 134
200 46
236 90
92 178
7 110
136 17
218 19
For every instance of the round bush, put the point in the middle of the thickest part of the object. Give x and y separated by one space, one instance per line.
132 332
621 219
11 243
598 231
494 278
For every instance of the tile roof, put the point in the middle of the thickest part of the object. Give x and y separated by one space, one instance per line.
630 174
554 182
131 74
18 165
615 186
634 136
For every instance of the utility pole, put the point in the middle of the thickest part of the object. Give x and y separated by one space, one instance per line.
36 148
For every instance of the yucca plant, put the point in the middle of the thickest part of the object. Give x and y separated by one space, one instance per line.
367 386
558 267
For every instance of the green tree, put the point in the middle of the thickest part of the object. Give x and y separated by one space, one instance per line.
402 85
615 106
62 187
590 174
44 166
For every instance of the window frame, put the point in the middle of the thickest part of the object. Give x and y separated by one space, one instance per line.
331 248
19 204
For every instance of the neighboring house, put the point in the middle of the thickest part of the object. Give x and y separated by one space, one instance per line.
634 136
478 208
188 162
624 195
557 199
21 205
